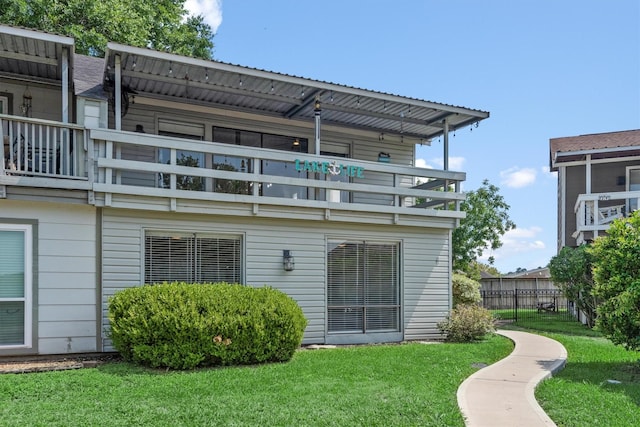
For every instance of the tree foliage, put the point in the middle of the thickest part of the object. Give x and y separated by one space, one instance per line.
487 220
616 273
161 24
571 272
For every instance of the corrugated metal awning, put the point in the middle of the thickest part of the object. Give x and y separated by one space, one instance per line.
167 76
33 55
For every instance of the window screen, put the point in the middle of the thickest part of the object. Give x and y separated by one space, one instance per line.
362 287
192 258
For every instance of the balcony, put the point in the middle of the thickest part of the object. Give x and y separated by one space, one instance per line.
595 212
151 172
42 153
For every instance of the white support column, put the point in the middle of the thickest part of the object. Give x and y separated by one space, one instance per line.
65 85
588 174
316 114
118 94
562 183
446 145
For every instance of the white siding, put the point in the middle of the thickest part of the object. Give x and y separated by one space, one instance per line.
65 273
425 269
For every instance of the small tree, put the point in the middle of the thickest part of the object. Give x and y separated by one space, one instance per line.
616 273
571 272
486 222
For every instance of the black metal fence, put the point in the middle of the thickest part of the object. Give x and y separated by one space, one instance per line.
522 304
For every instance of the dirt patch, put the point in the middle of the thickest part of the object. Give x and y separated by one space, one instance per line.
23 365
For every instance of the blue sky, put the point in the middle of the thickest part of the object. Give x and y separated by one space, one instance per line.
542 68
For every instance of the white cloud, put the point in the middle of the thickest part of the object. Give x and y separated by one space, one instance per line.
522 239
422 163
546 171
455 163
211 10
518 177
517 243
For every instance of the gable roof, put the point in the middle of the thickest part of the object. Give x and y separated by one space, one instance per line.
87 77
599 146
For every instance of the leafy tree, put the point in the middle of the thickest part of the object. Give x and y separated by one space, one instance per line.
159 24
571 272
487 220
490 269
185 182
616 273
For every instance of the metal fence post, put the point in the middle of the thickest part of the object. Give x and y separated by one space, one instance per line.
515 302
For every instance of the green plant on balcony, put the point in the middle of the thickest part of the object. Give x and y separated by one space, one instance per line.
185 182
230 186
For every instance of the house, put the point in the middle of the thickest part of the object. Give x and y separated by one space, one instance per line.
598 181
534 279
145 166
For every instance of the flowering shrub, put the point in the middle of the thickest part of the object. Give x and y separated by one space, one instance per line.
467 322
183 326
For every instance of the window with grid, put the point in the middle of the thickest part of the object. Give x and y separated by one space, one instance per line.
15 285
192 258
363 287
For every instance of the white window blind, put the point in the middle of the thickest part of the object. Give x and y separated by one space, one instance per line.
15 285
363 287
192 258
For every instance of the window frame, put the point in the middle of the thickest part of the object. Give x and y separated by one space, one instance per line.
27 297
192 256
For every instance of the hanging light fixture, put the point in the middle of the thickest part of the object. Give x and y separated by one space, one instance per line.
26 102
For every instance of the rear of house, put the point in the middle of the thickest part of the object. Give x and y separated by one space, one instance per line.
143 167
598 181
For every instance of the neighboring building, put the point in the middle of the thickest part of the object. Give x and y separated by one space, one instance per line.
538 278
145 167
598 181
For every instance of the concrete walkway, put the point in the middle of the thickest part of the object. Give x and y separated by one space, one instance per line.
502 394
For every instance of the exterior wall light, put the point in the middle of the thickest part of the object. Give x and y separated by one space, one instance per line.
288 262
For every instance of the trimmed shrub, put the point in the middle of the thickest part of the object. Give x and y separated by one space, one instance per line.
466 323
183 326
465 290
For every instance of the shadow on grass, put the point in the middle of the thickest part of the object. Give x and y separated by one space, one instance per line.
614 377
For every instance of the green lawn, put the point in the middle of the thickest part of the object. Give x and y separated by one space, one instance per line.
581 394
386 385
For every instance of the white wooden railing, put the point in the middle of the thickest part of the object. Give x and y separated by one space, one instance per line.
110 163
44 148
595 212
372 187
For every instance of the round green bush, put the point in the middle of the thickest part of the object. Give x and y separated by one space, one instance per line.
183 326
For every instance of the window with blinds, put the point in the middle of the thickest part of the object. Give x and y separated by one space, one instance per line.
363 287
15 285
192 258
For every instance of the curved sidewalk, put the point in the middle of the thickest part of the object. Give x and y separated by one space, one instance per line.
502 394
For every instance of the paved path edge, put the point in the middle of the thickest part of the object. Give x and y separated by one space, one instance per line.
556 367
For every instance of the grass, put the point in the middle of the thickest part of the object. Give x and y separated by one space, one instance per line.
386 385
581 394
